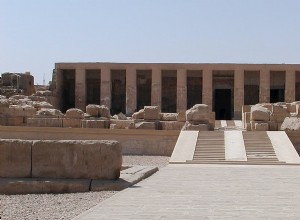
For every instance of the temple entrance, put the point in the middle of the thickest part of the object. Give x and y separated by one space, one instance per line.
276 95
68 90
223 104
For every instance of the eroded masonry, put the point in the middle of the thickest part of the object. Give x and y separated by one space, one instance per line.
176 87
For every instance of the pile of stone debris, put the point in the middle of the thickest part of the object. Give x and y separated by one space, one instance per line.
271 116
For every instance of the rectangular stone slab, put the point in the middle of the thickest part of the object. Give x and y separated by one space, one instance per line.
15 158
88 159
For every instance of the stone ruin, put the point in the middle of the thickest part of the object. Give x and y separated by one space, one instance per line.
36 111
271 116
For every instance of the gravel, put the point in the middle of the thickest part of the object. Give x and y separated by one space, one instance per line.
64 206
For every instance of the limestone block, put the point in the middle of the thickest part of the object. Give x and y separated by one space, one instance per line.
29 111
75 113
212 120
168 116
246 108
71 122
151 113
181 117
15 158
42 105
15 121
4 103
171 125
277 109
198 113
49 113
17 97
259 113
145 125
121 116
248 127
37 98
93 110
279 117
121 124
261 127
247 117
272 126
44 122
139 114
198 127
90 159
15 111
267 106
86 123
104 111
290 124
11 186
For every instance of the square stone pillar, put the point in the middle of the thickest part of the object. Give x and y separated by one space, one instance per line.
290 84
156 87
207 79
264 86
105 87
80 89
181 90
238 93
130 90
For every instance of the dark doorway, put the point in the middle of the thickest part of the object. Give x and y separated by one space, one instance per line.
93 86
169 91
143 81
223 104
118 91
194 88
68 90
276 95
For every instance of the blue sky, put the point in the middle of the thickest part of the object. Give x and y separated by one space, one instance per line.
34 34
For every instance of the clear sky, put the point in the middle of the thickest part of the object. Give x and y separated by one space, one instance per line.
34 34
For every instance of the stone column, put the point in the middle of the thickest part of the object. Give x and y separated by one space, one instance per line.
130 90
105 87
290 79
156 87
80 89
264 86
238 93
207 88
181 90
58 89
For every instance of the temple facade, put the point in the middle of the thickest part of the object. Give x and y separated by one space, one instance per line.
175 87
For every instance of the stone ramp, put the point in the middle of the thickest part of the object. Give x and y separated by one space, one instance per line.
234 147
199 191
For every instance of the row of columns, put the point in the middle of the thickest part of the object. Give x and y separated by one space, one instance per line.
207 93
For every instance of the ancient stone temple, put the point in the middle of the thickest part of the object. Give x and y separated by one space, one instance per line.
175 87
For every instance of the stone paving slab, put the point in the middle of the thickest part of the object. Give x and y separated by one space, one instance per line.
208 192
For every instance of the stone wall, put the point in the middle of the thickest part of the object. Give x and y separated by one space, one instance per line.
72 159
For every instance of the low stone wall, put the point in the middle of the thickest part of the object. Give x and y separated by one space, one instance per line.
133 142
74 159
294 136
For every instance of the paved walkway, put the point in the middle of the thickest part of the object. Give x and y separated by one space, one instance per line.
181 191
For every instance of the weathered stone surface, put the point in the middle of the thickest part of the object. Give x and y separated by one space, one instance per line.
272 126
171 125
151 113
181 117
104 111
15 158
71 123
290 124
198 127
15 121
93 110
259 113
261 127
94 123
49 113
44 122
198 113
139 114
145 125
121 116
12 186
37 98
42 105
75 113
279 117
77 159
168 116
121 124
17 97
246 108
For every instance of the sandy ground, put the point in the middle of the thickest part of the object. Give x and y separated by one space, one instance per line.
64 206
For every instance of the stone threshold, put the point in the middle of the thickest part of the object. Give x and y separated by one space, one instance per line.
128 177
